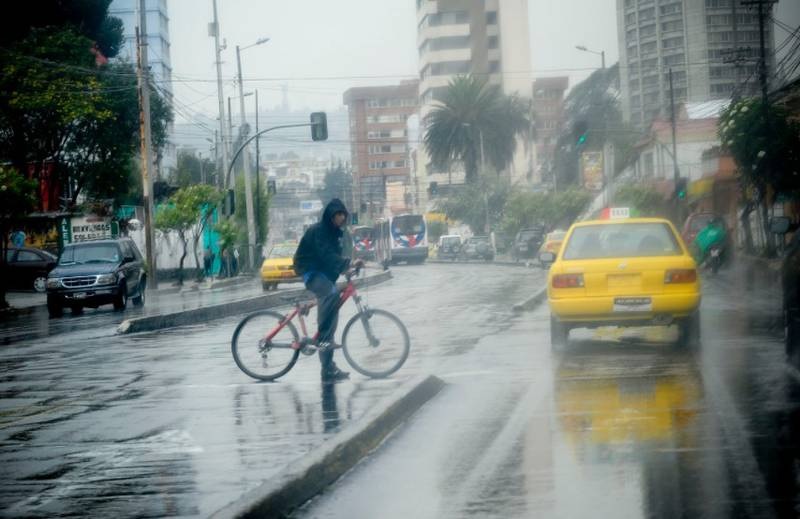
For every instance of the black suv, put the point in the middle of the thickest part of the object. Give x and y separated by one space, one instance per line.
527 243
95 273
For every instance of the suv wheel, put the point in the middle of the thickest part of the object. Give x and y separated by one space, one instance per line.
121 301
140 296
40 284
54 308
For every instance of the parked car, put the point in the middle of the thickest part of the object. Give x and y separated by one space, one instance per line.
478 248
552 243
502 242
693 225
527 242
279 266
28 268
95 273
449 246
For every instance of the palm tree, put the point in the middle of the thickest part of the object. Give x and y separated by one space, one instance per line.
472 110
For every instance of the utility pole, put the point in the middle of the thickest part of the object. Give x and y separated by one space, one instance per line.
258 178
221 168
223 137
675 170
248 188
202 171
485 191
146 142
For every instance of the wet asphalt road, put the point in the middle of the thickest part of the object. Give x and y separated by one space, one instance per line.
614 425
164 424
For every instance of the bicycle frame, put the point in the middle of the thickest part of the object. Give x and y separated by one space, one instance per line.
301 310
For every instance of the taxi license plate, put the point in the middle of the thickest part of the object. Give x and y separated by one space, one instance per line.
633 304
287 274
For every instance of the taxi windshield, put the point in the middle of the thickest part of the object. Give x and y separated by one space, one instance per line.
621 240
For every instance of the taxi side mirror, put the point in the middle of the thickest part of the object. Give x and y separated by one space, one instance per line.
547 258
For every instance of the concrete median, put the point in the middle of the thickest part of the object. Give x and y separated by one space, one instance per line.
532 302
218 311
310 474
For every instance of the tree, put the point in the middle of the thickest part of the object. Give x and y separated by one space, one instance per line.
338 183
765 143
472 111
592 107
64 107
647 201
552 210
469 204
188 213
17 197
193 170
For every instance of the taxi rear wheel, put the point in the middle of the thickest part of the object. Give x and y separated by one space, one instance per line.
559 332
689 331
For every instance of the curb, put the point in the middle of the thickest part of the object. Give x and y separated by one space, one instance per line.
195 287
477 262
309 475
218 311
532 302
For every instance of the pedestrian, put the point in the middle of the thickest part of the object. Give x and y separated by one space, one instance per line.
225 267
18 238
235 266
208 261
319 260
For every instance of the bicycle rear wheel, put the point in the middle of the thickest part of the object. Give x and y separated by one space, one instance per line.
375 343
258 357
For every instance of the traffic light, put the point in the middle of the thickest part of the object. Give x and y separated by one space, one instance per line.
580 132
229 205
271 187
354 218
433 188
319 126
680 188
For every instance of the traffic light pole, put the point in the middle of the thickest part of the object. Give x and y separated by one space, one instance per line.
249 140
675 171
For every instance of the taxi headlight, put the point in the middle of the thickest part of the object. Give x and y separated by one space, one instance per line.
106 279
53 282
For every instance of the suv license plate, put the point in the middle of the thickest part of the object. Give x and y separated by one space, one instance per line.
79 295
633 304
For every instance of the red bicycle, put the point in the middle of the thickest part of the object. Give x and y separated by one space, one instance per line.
266 344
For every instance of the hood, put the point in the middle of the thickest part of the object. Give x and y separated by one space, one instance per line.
333 207
89 269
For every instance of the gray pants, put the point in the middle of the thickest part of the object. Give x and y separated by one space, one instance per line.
327 314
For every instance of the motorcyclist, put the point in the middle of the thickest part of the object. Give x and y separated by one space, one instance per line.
713 234
320 259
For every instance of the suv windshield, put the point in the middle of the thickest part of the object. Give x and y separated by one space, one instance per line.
621 240
89 253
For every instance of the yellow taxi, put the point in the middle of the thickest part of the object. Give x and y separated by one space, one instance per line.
279 266
552 243
623 271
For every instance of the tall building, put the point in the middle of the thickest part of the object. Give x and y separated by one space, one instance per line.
712 47
379 144
548 105
158 54
481 37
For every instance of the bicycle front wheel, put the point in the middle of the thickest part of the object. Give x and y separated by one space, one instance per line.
258 357
375 343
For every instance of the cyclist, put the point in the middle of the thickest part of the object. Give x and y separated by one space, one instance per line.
319 260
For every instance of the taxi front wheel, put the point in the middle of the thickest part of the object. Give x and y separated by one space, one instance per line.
689 330
559 332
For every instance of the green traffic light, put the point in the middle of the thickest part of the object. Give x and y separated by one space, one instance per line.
582 139
681 194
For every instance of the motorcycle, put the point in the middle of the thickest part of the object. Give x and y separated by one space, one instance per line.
715 258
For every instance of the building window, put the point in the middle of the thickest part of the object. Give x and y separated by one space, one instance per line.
722 89
719 19
444 43
400 163
494 67
445 68
674 59
649 65
387 118
719 72
649 48
630 3
447 18
630 35
630 18
713 4
672 43
675 8
649 30
647 14
492 42
491 17
675 25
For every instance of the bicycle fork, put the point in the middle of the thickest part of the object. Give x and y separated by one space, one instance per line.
363 311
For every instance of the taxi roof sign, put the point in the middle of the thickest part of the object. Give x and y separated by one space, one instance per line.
617 213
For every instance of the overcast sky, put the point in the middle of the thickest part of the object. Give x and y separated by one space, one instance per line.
322 47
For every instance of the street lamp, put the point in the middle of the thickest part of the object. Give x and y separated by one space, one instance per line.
602 53
248 190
